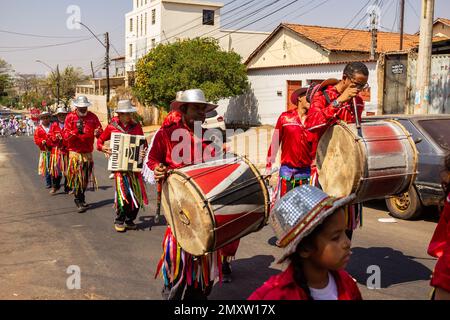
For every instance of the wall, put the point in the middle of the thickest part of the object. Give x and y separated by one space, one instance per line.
441 30
99 107
287 48
263 105
241 42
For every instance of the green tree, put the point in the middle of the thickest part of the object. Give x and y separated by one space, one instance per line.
188 64
5 79
69 78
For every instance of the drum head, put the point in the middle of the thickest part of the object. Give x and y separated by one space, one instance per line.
338 161
187 214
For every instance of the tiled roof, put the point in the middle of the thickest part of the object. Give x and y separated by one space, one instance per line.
340 39
443 20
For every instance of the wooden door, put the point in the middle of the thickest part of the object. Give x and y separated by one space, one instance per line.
395 76
291 87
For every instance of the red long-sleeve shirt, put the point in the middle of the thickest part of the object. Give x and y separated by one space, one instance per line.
55 132
132 128
283 287
40 135
322 115
81 143
295 142
439 247
163 147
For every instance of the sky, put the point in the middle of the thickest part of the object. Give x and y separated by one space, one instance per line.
49 23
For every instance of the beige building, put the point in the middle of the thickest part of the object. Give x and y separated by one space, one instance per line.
441 28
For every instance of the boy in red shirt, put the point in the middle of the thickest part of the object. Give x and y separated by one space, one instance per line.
130 190
43 141
59 157
311 226
80 129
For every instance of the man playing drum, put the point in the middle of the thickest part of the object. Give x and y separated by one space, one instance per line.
335 100
193 276
130 189
80 129
295 142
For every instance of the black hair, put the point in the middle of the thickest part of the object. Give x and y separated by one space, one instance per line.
445 181
356 67
297 261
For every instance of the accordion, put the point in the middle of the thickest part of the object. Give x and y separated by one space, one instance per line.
126 150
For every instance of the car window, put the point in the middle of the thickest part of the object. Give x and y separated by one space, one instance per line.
424 147
212 114
438 130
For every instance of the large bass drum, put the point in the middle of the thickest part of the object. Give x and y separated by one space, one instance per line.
378 161
211 204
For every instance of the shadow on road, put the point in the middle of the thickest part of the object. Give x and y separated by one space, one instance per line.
100 204
395 267
379 204
248 275
104 187
149 222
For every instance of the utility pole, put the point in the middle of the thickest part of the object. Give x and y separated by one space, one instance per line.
402 18
92 69
374 34
108 89
422 95
58 84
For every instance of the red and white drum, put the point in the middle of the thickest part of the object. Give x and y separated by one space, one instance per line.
379 161
211 204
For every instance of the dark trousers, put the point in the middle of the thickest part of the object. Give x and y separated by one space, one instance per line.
186 293
48 180
56 182
127 214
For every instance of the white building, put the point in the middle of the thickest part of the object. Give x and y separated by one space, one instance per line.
294 56
161 21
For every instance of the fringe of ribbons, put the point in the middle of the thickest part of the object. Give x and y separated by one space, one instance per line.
353 213
80 172
44 163
130 190
58 163
176 265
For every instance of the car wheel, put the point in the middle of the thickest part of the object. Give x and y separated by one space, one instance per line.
406 206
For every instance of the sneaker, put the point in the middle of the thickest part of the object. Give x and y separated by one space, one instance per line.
120 227
226 272
131 225
53 191
48 187
71 192
81 209
111 176
84 205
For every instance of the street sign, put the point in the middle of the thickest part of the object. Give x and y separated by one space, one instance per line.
397 68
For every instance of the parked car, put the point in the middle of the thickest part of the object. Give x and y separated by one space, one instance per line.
215 121
431 133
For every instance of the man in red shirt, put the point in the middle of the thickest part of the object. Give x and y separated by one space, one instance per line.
166 154
59 157
43 141
332 101
130 190
295 142
80 129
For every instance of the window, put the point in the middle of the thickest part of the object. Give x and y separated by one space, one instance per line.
137 25
137 3
208 17
131 24
142 25
131 50
153 43
145 27
153 16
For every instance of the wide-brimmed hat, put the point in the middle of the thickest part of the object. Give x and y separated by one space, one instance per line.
319 86
61 110
191 96
298 94
125 106
45 114
299 212
81 102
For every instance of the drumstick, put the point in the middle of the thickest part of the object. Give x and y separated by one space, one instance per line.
158 201
358 125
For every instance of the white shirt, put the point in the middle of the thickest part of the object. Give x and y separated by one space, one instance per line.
330 292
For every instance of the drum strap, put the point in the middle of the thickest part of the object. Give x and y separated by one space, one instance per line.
327 97
116 125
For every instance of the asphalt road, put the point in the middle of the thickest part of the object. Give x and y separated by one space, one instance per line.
42 235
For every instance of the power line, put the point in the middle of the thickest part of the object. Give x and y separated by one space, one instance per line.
39 36
396 15
414 9
46 46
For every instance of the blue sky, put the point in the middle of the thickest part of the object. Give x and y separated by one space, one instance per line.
49 18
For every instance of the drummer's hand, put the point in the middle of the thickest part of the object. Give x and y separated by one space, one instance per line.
348 94
160 171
